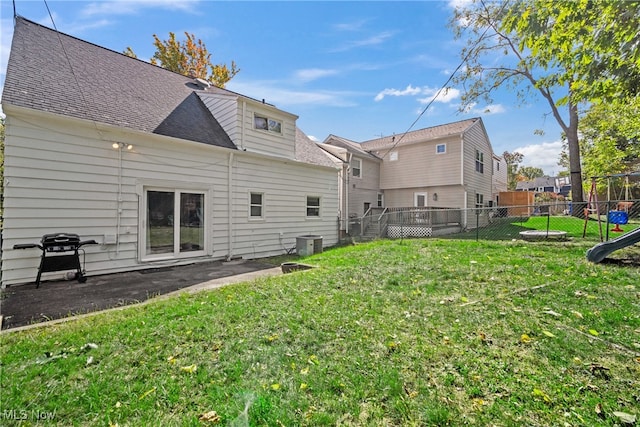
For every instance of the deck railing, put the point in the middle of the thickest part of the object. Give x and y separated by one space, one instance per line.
426 216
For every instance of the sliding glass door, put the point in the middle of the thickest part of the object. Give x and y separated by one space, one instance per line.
175 223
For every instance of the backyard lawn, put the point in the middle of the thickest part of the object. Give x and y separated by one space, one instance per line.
412 332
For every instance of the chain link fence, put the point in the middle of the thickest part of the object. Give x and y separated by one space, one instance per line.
558 220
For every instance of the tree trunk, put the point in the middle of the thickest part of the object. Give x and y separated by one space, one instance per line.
575 167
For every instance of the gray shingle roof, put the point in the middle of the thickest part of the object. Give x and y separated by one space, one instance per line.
308 152
434 132
351 146
57 73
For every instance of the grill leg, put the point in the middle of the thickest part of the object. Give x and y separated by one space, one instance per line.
40 270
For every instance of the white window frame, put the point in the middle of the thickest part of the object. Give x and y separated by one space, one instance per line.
308 206
358 168
479 200
252 205
444 149
177 189
393 156
271 125
380 201
479 161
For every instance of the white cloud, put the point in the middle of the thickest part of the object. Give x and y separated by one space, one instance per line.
273 93
445 96
130 7
311 74
544 156
351 26
455 4
486 110
370 41
409 90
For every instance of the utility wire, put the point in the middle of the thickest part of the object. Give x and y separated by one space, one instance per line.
75 77
443 87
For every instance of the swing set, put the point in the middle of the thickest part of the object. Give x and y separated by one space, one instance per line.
618 216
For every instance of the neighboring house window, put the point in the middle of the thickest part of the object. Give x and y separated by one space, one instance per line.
256 205
479 161
441 148
313 206
265 123
479 200
498 166
393 156
356 168
380 200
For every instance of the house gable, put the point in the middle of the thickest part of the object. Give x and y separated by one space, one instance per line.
127 153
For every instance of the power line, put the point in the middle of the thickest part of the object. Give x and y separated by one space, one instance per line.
443 87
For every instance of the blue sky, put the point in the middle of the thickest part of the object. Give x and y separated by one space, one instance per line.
354 69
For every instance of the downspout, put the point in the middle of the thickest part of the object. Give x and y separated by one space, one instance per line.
465 204
230 208
119 205
346 195
345 208
244 114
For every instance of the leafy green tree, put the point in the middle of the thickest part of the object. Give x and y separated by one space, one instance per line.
513 161
567 52
611 138
529 173
189 58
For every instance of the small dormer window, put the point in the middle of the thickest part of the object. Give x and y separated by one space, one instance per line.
266 123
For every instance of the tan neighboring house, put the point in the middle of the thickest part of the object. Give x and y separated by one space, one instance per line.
160 169
360 186
447 166
500 179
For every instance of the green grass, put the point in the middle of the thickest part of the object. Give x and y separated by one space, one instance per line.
413 332
510 228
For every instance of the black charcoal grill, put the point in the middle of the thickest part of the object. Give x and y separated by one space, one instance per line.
59 253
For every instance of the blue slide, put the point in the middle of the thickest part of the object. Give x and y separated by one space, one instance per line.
601 250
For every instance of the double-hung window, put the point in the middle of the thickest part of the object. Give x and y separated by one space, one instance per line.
313 206
479 161
356 168
256 205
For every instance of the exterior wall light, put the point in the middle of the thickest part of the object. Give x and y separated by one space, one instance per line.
121 145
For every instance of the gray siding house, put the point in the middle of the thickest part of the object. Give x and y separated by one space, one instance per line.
160 169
